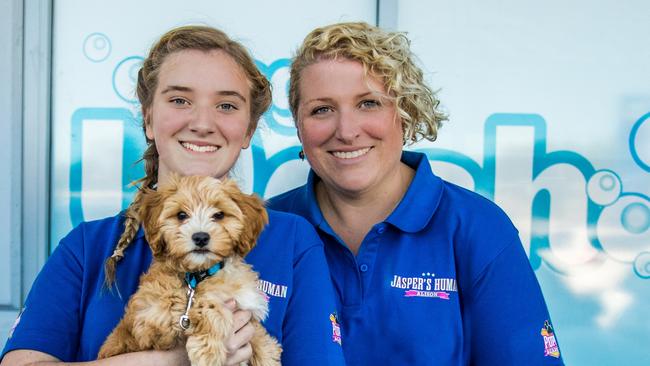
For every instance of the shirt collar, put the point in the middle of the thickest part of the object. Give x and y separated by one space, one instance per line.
413 212
421 200
312 211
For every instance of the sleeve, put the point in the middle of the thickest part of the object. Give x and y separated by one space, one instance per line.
311 333
506 315
50 321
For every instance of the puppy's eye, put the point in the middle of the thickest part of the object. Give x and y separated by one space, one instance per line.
218 216
181 216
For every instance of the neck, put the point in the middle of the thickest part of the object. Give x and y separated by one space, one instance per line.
352 214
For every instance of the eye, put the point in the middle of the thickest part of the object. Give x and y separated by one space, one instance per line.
179 101
182 216
218 216
227 107
321 110
369 104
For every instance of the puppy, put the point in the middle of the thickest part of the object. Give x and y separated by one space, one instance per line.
199 229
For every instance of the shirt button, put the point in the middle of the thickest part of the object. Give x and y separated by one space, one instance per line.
381 230
363 268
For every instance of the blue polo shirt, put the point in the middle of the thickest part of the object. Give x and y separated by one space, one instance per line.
444 280
68 314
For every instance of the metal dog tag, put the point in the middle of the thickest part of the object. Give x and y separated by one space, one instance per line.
184 320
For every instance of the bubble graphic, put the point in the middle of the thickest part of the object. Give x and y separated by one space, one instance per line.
636 218
640 142
97 47
280 82
278 117
607 182
604 187
642 265
125 77
133 71
623 227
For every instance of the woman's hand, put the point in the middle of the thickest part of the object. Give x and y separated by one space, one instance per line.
238 344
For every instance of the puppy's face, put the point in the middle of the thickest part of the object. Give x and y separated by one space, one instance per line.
198 221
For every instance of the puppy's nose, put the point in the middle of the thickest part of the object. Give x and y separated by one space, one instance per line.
201 239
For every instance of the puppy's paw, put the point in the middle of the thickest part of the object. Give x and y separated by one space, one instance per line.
266 350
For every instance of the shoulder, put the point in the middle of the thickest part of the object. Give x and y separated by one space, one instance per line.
476 214
289 200
96 236
287 235
290 226
482 231
108 226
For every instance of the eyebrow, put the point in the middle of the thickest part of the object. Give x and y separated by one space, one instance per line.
330 100
180 88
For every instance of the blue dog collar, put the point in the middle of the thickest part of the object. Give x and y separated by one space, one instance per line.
194 278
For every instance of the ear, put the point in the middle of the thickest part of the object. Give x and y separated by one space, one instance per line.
298 129
150 210
255 217
247 139
148 126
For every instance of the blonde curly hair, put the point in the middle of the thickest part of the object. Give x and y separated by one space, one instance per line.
385 55
179 39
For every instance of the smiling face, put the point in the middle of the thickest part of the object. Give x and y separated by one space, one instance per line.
200 114
349 128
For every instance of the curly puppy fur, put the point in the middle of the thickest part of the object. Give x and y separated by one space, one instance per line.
171 216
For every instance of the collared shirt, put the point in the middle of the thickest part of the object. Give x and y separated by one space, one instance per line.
444 280
69 314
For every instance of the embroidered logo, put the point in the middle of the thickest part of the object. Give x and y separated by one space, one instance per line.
336 329
426 285
272 289
550 344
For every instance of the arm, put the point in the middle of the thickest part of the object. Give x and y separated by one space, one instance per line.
308 337
505 313
176 357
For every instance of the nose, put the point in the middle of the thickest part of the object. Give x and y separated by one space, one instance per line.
347 127
203 121
201 239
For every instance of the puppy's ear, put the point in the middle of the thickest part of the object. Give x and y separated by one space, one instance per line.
150 210
255 217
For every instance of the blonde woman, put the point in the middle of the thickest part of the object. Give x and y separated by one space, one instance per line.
427 273
201 97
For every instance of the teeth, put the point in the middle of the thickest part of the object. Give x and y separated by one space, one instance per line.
350 154
197 148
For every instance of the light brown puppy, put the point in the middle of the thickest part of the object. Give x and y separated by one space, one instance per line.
193 224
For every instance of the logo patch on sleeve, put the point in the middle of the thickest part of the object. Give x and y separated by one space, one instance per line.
336 329
550 344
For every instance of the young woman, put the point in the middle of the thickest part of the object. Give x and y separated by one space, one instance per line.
201 97
427 273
